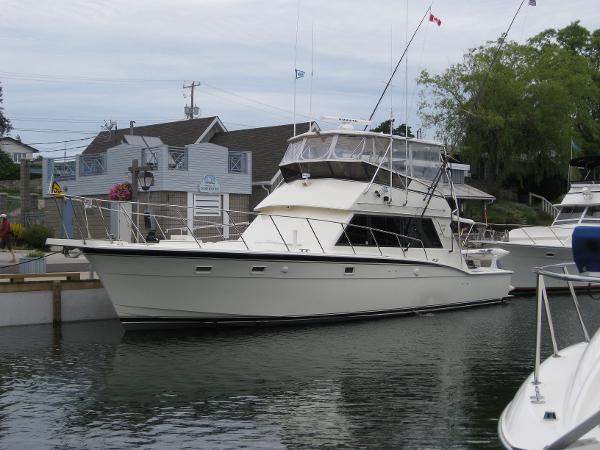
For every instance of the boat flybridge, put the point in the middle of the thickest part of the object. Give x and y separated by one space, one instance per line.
538 246
348 234
558 405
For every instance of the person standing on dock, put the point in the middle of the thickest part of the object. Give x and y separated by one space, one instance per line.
5 236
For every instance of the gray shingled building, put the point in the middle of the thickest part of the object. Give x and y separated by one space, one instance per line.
194 162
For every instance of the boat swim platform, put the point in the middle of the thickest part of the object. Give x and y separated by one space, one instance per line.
52 298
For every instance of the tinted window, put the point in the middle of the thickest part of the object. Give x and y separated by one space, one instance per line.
366 230
572 213
592 214
352 170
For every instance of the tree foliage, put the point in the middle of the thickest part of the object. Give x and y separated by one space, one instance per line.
5 126
8 169
384 127
517 119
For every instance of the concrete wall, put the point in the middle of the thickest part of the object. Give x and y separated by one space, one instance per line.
13 185
32 308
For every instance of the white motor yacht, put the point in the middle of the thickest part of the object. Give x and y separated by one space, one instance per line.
343 237
558 405
538 246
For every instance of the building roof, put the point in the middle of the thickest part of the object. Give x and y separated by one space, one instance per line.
465 192
7 138
267 144
176 134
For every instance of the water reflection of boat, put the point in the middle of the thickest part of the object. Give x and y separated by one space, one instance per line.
348 235
558 405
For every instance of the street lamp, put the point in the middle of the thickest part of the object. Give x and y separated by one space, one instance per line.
146 179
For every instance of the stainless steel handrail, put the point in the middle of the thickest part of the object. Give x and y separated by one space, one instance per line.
551 271
344 225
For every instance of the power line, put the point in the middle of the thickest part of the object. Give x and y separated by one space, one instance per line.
42 77
52 130
84 79
61 142
62 149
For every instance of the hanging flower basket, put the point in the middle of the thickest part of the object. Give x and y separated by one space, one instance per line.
120 192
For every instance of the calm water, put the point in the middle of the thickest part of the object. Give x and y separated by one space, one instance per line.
429 381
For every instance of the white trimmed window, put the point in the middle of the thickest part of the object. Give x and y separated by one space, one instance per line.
17 157
207 205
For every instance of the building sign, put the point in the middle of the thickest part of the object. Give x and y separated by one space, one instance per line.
209 184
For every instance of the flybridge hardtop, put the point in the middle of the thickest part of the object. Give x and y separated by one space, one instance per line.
341 148
339 238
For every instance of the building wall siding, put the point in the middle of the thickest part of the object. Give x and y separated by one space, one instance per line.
203 159
13 147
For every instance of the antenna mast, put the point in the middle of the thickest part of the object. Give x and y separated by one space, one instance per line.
398 64
296 63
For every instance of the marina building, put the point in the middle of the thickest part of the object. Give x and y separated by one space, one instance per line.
196 165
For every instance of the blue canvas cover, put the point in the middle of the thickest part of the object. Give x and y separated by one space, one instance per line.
586 249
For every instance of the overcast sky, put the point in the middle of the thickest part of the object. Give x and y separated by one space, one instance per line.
71 64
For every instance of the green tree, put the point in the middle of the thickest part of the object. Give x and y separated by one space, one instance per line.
5 126
517 119
384 127
8 169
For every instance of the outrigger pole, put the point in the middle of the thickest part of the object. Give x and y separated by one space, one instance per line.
428 11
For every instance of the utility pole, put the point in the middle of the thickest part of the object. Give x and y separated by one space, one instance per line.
189 112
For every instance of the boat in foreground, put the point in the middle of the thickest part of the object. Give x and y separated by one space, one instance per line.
347 235
558 405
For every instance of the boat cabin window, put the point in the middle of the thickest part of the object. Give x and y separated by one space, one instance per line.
344 170
592 214
390 231
569 214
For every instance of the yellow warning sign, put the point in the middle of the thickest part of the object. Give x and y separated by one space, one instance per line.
56 189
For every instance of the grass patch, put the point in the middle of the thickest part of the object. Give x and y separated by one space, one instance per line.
504 211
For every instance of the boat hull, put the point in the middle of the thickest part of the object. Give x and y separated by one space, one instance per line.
179 288
567 388
523 258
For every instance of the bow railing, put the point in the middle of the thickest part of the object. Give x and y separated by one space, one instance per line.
148 223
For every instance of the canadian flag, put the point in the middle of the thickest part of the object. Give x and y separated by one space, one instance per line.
437 20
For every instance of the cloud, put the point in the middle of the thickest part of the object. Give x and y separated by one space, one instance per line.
242 47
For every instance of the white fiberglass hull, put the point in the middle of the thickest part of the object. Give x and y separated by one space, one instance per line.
566 396
230 287
523 258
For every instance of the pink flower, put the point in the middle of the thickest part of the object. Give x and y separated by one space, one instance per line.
120 192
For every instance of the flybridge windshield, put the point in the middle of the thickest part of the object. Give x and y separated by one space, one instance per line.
423 158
